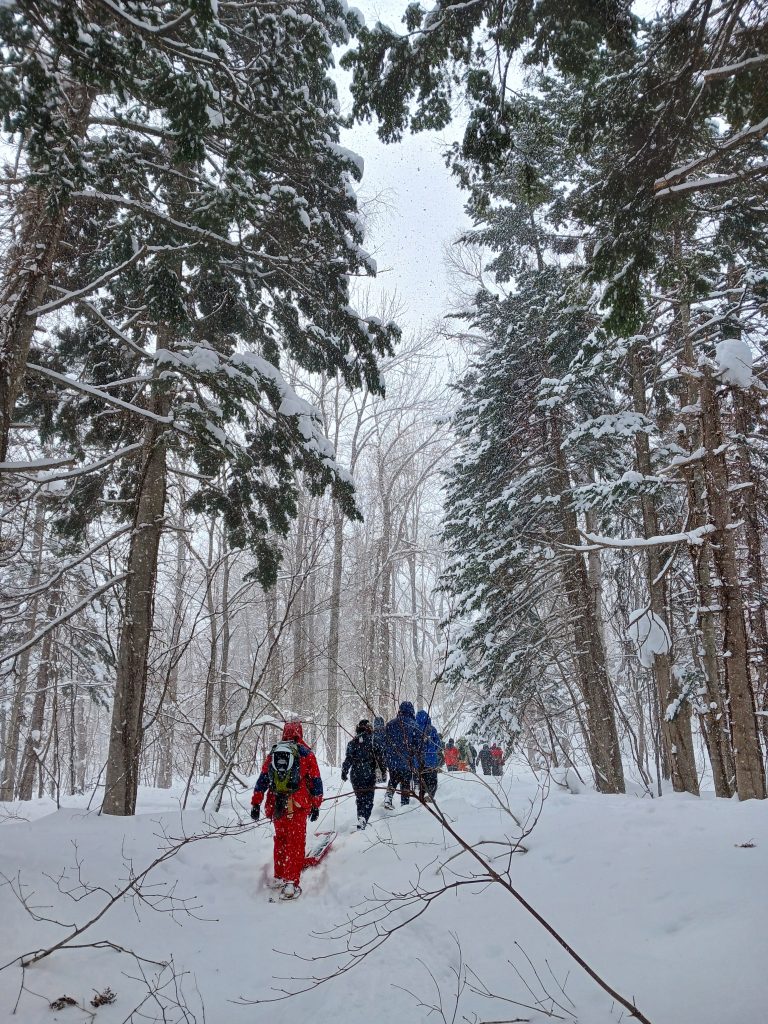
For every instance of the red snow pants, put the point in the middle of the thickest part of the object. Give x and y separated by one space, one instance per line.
290 844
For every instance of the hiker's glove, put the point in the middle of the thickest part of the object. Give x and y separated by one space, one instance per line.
255 812
314 814
343 778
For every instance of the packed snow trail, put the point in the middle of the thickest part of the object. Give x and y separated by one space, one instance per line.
665 898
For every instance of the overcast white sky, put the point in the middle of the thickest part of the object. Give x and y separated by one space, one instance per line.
421 206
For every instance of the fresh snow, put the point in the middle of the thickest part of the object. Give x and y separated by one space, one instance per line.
734 362
650 633
660 896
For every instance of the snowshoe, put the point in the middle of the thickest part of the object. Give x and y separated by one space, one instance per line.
290 891
361 822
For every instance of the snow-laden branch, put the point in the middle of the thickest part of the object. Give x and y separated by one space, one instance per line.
25 595
87 389
728 70
34 464
64 617
671 181
204 234
596 541
714 181
49 466
68 297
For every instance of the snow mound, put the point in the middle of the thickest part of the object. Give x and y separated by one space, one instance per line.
620 878
650 634
734 362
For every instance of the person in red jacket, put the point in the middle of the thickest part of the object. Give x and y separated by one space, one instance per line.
290 821
497 760
451 756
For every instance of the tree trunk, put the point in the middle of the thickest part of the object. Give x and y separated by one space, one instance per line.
16 716
418 657
273 671
167 721
748 759
602 737
675 717
747 510
30 759
82 746
713 715
24 278
386 693
126 732
332 712
213 657
298 626
223 709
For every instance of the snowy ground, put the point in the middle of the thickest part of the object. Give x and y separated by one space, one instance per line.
661 897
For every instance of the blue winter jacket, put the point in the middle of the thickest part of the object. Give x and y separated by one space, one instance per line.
430 741
402 742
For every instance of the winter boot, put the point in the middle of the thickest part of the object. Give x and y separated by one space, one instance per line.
291 891
387 805
362 822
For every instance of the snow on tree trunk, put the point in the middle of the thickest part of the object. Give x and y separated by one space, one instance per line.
589 655
674 714
712 710
30 760
748 759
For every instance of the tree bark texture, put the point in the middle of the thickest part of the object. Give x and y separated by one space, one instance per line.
25 275
602 736
675 717
332 707
30 761
748 759
126 732
16 716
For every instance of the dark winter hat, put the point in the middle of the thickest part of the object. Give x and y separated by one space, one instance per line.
450 743
406 709
364 726
378 722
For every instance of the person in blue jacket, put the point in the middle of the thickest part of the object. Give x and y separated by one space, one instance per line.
360 763
429 756
402 745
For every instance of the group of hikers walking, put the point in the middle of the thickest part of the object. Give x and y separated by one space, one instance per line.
406 753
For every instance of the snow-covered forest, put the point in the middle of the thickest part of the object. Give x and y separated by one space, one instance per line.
244 482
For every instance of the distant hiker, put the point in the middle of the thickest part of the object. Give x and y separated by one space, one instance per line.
486 761
361 762
467 754
429 757
402 742
379 741
451 756
497 760
291 779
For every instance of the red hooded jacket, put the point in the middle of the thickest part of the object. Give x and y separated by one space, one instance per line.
451 755
310 791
